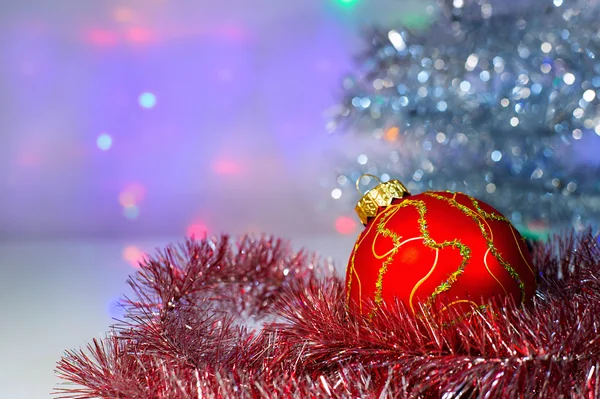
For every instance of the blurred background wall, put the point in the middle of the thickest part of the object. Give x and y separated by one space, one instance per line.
125 125
129 118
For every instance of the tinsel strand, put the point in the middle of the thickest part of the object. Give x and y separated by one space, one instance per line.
187 334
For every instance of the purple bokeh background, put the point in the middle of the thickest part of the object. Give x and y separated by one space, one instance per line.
235 142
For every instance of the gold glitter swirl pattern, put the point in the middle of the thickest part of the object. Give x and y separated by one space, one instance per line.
351 275
428 241
390 254
474 215
494 216
475 305
479 216
420 282
352 271
386 233
488 252
521 252
465 316
490 272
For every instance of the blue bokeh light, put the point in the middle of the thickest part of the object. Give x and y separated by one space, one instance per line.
131 212
147 100
104 141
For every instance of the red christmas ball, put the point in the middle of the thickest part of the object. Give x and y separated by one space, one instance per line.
436 247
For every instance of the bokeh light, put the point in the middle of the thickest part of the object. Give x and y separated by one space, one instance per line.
347 2
397 40
132 194
103 38
139 35
345 225
130 198
131 212
28 159
127 199
147 100
197 230
392 133
133 255
104 141
226 167
122 14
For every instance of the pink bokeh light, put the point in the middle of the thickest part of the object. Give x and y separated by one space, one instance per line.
139 35
345 225
28 159
197 230
133 255
102 37
132 194
226 167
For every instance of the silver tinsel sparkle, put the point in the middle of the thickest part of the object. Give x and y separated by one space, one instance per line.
488 103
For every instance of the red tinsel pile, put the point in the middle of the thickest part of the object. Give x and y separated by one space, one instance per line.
253 319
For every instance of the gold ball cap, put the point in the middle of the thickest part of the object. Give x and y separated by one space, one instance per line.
381 195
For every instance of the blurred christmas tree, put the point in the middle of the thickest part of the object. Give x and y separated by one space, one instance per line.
494 99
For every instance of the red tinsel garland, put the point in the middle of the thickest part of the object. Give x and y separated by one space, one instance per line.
211 319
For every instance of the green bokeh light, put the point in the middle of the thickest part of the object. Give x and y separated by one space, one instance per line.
417 21
347 3
536 235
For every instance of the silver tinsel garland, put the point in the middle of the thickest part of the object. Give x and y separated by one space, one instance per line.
485 102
